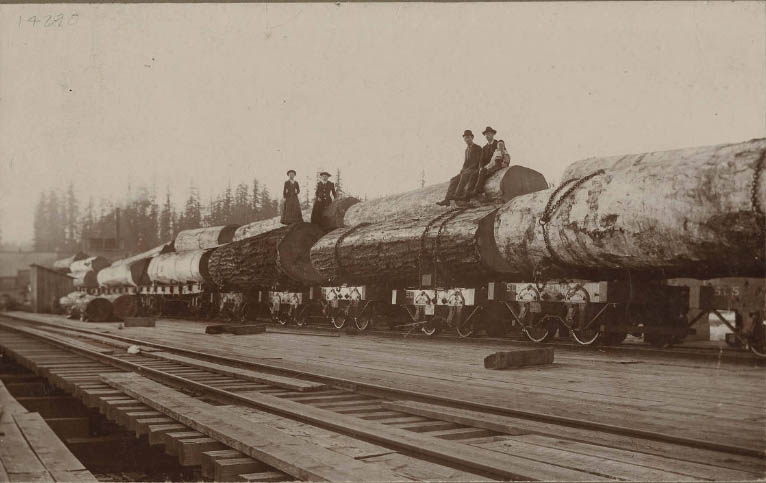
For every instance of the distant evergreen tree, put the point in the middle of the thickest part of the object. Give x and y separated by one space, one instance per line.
227 203
166 219
55 230
40 218
267 206
338 185
255 199
192 215
71 219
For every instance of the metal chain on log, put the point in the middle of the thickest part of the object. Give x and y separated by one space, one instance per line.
551 208
339 271
437 244
760 218
426 230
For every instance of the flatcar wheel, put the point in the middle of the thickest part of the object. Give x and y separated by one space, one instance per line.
433 327
587 336
465 328
757 341
363 322
338 321
538 329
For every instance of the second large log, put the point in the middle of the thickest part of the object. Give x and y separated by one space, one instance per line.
276 258
455 247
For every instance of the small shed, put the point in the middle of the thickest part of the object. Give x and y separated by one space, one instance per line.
47 286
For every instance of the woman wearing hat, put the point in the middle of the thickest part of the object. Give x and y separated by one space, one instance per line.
291 210
322 197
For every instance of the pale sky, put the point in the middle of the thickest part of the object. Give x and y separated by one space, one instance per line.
216 93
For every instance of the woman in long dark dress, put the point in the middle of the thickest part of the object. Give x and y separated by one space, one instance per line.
325 194
291 212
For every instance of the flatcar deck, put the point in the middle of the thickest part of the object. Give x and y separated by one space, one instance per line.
604 414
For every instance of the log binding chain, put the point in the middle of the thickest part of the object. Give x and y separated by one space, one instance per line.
551 208
339 271
445 217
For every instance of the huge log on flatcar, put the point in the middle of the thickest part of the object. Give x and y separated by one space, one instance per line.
88 307
130 274
158 250
93 264
687 158
123 305
332 218
501 187
184 267
62 265
85 279
689 216
278 257
208 237
455 247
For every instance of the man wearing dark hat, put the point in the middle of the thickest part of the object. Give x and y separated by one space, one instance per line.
467 177
486 156
322 197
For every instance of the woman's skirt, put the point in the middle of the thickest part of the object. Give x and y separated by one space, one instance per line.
291 213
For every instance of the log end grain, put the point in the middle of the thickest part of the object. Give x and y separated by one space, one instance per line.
333 215
519 180
519 358
97 310
294 253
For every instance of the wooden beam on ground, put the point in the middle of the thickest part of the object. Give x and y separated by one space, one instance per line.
263 442
519 358
247 374
503 465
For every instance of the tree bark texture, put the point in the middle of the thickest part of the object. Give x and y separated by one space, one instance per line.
683 217
125 275
276 258
332 218
123 305
184 267
62 265
209 237
455 247
502 186
686 158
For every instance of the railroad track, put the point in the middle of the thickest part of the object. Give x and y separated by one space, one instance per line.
446 432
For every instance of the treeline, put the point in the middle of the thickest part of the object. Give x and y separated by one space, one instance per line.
62 222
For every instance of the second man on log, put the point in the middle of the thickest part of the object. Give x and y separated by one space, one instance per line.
325 194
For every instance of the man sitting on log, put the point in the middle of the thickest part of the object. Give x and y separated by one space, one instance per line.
494 157
467 177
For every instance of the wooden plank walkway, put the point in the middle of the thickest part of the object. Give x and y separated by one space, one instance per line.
30 450
705 400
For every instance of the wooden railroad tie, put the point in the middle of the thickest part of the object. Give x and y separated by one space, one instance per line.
238 329
138 322
519 358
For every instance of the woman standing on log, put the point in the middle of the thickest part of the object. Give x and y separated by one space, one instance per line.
291 211
322 197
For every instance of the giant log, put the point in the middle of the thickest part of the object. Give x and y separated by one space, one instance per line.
456 247
687 158
125 274
276 258
87 307
62 265
123 305
332 218
90 264
501 187
688 216
84 279
209 237
184 267
158 250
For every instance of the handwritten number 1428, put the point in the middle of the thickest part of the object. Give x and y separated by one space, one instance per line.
59 20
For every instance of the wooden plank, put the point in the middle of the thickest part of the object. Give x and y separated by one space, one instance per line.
519 358
246 374
170 439
641 449
293 456
138 322
190 450
53 454
226 469
209 459
506 466
263 477
16 455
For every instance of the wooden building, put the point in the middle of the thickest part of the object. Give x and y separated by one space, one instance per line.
46 287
